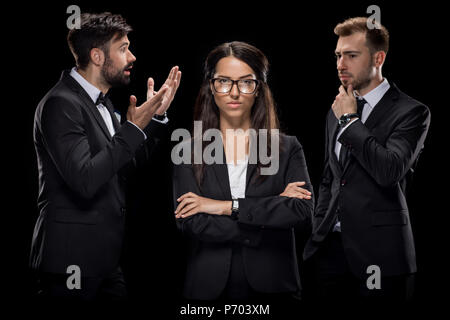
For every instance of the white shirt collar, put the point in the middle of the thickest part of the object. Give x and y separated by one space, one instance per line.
374 96
90 89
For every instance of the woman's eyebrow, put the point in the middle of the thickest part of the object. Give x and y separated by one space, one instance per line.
247 75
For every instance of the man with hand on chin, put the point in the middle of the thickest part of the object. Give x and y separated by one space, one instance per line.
84 154
374 135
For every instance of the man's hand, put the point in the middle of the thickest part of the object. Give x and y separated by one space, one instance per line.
142 115
345 102
293 190
172 82
190 204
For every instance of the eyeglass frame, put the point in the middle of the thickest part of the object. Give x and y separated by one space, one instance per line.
237 85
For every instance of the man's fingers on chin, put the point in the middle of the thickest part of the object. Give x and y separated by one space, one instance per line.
179 208
184 202
184 211
188 214
182 197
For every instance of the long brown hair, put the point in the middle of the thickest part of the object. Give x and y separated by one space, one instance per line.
263 113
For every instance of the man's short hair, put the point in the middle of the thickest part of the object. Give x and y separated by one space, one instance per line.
96 31
377 39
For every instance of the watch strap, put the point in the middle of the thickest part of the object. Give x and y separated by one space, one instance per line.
160 117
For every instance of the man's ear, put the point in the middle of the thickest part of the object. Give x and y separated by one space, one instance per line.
379 58
97 56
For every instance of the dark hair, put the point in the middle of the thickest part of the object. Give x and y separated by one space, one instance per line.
377 39
96 31
263 113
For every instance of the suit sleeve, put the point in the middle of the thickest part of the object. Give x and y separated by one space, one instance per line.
203 226
63 130
389 163
278 211
156 132
324 196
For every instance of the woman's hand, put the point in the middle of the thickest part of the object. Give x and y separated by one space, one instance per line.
293 190
190 204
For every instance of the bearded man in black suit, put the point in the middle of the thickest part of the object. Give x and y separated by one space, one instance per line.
84 154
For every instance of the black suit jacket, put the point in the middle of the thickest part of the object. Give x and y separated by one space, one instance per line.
264 229
368 194
82 173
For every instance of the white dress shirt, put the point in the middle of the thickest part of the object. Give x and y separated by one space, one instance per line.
372 98
93 93
237 174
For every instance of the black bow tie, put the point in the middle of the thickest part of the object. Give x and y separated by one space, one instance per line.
101 99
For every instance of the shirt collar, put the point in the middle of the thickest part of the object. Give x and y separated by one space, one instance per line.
375 95
90 89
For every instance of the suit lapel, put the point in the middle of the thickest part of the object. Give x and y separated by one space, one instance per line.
88 103
334 161
382 107
379 110
251 167
251 171
223 180
114 119
221 172
350 160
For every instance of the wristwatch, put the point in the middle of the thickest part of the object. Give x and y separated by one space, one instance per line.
160 117
235 209
346 117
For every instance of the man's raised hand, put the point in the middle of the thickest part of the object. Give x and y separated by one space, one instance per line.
172 82
142 115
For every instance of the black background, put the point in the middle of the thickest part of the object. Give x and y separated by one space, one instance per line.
298 39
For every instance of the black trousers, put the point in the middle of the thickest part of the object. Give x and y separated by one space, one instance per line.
111 287
334 281
239 291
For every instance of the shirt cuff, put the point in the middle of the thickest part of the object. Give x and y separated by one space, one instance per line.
346 126
164 121
145 136
337 227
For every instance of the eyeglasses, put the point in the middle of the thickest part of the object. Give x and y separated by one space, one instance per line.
223 85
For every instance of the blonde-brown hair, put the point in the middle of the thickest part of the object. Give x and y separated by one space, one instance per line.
377 39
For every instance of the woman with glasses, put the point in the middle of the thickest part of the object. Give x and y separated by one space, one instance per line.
238 215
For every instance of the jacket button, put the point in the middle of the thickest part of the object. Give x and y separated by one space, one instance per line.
123 210
249 216
343 182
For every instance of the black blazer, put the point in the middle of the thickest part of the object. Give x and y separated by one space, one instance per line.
368 195
81 177
264 229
